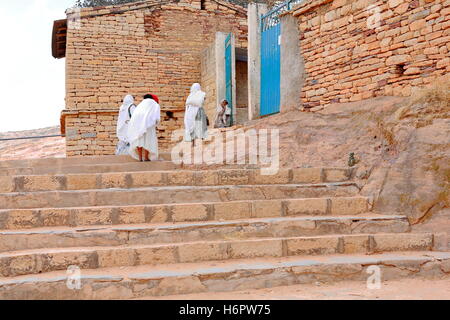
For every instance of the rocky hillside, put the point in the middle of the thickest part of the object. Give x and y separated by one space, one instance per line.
32 148
401 146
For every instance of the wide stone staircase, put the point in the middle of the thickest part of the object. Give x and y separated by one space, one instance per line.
154 229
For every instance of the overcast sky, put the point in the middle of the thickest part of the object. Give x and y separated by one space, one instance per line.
32 82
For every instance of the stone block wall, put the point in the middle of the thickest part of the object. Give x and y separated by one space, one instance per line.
208 81
355 50
88 132
241 92
135 49
171 119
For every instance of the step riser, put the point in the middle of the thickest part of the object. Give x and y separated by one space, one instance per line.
116 287
65 199
293 228
59 217
200 252
170 178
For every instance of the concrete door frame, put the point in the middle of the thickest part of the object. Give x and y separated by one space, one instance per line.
291 62
220 69
255 10
291 65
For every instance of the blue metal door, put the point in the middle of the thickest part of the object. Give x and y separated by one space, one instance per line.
270 68
271 56
228 73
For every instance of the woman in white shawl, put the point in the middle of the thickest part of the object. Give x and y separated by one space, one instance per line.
195 120
125 113
142 129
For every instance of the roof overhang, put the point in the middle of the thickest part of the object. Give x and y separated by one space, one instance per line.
59 36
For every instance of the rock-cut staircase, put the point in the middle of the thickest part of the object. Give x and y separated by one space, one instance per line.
153 229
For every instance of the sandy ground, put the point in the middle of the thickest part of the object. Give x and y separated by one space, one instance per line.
405 289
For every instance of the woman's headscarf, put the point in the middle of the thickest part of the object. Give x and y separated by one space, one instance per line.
197 96
155 97
124 116
220 108
196 87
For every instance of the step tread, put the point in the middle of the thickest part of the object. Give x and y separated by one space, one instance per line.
175 194
74 160
178 170
161 245
146 272
199 224
74 165
181 188
173 204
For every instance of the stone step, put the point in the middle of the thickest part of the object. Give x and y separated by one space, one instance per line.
91 168
16 219
150 234
133 166
114 167
72 161
19 263
169 178
222 276
172 195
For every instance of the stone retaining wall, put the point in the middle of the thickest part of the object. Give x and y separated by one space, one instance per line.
355 50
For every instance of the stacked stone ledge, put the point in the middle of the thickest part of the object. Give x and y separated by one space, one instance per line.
349 58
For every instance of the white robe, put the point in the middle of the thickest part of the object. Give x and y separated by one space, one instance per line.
194 103
142 128
122 125
124 118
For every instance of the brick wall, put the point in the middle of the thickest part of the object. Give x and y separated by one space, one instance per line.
89 132
349 58
135 49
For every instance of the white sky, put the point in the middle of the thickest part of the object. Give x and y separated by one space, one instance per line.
32 82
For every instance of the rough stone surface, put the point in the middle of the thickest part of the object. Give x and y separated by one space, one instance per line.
387 135
361 52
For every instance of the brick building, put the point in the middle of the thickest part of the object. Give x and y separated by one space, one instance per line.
151 46
314 53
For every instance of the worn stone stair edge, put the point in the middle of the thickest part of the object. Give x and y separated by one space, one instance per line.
87 181
75 160
14 219
46 260
171 195
151 234
189 187
425 235
205 224
209 268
